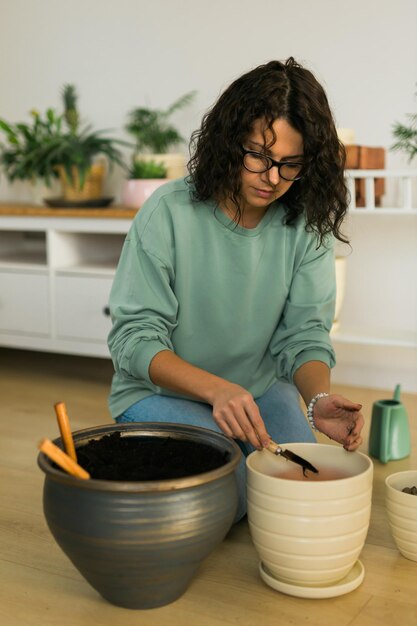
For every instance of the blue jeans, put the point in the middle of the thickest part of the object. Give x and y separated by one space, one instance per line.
279 408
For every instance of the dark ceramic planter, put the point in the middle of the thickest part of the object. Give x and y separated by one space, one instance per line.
139 544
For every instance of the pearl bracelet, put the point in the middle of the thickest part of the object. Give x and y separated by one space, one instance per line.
310 409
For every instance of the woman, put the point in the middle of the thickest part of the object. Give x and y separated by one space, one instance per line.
225 291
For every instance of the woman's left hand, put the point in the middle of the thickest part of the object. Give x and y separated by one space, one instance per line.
340 419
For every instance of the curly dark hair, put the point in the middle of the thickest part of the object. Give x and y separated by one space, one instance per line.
274 90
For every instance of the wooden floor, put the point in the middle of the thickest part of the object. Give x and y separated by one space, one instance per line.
40 587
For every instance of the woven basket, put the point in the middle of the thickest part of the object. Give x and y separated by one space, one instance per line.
93 183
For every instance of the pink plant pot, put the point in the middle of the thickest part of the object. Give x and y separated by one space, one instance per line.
136 191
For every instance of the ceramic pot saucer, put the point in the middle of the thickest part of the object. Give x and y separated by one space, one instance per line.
350 582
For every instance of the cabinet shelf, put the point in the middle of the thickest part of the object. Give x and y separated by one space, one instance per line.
403 178
22 249
55 280
81 252
23 260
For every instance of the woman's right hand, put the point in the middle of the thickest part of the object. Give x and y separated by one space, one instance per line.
234 409
237 415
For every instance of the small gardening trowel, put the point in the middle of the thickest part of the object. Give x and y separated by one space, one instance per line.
275 448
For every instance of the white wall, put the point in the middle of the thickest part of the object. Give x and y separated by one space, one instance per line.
128 53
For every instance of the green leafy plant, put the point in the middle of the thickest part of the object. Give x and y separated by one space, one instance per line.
406 136
151 127
69 96
78 147
38 149
19 153
146 169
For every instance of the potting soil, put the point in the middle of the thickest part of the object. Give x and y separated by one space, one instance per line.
114 457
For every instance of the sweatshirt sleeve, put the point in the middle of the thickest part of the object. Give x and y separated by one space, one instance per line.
142 303
303 331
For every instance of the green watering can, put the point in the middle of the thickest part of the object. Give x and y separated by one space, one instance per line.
389 438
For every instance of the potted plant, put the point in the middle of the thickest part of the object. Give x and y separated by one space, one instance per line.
59 146
406 136
23 141
155 136
292 518
143 178
76 153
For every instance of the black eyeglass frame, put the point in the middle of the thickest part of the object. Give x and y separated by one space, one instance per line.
272 163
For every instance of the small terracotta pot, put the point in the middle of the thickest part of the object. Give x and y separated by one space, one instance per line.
139 544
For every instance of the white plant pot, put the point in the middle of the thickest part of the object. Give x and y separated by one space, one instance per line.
309 533
401 509
137 191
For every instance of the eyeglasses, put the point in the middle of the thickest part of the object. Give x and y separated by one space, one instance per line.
257 162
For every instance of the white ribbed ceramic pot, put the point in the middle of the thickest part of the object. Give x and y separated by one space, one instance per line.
402 512
309 533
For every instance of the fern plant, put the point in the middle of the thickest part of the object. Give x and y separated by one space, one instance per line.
22 143
78 147
152 129
37 150
406 136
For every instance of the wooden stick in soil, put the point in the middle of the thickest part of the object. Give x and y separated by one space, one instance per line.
65 430
63 460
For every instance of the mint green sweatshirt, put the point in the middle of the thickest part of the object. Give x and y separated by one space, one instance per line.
249 305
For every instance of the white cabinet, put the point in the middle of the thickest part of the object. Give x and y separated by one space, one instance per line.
24 302
56 274
81 306
56 270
